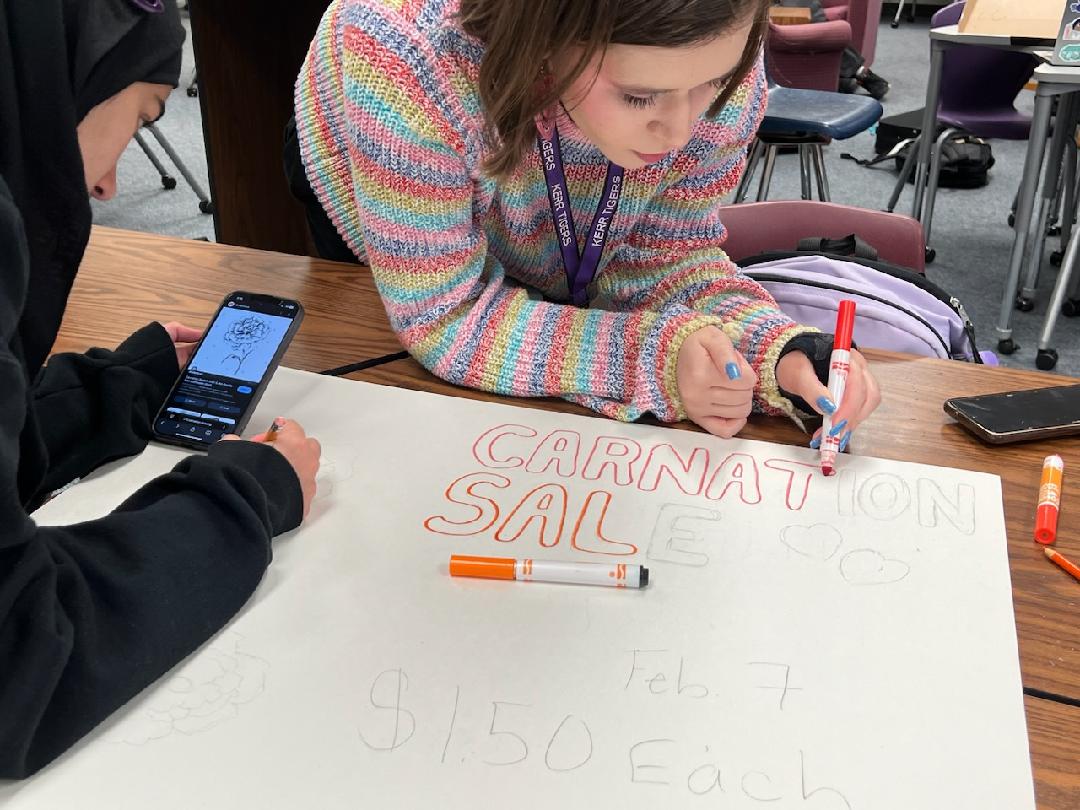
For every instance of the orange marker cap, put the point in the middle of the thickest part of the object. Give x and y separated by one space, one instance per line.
1046 513
462 565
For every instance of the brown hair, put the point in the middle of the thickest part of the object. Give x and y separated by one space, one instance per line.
519 36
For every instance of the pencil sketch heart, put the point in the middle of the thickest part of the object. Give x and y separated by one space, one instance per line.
819 541
864 566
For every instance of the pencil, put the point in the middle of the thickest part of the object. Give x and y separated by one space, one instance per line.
1063 563
272 431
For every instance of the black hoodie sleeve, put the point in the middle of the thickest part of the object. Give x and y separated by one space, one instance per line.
91 614
96 407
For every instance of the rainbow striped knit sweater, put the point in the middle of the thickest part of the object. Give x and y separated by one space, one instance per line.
391 133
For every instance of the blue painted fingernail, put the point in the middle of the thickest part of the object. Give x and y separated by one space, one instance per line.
815 442
844 441
839 426
826 405
732 370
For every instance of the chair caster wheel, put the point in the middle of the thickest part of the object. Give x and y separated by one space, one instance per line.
894 25
1056 257
1053 230
930 255
1071 307
193 92
206 206
1024 304
168 183
1012 220
1046 359
1007 346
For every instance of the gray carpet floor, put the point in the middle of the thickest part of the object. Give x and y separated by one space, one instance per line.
971 234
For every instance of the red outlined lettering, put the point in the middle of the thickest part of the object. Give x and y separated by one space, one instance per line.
688 475
615 452
462 491
794 494
588 532
545 504
738 469
561 448
483 449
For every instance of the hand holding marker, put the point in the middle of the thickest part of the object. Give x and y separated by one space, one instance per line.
839 366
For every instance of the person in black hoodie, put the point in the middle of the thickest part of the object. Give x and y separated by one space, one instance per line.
91 614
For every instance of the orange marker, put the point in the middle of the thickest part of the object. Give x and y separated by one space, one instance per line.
613 575
1062 563
1046 514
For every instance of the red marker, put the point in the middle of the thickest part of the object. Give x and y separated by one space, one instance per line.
1046 513
839 366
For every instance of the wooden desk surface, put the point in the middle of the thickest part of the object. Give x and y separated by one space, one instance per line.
128 279
1054 739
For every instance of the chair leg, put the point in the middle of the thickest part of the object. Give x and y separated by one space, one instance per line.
804 171
1051 183
1068 208
905 173
899 11
818 152
168 182
767 172
748 172
204 201
1046 357
932 183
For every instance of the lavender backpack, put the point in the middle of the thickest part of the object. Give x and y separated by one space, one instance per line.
896 309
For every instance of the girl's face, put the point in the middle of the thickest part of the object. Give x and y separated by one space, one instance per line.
109 127
637 103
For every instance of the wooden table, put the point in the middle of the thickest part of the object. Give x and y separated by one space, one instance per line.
781 15
130 278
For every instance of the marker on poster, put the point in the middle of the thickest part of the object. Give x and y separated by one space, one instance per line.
839 366
612 575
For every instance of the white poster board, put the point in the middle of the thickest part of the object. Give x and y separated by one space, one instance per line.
805 642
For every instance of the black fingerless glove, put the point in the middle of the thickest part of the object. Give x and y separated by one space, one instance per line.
818 347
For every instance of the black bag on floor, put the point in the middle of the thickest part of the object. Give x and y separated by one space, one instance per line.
965 158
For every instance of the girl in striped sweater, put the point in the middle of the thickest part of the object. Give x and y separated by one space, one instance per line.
535 185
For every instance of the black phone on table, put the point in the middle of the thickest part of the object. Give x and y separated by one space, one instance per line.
230 368
1018 416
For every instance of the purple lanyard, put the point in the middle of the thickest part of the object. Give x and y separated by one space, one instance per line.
580 270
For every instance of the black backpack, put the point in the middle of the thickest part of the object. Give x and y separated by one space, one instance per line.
965 158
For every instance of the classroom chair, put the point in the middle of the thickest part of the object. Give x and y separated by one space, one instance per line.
806 120
900 10
808 56
979 87
761 227
168 182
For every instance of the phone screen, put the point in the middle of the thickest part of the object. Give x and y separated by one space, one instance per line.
1022 411
232 364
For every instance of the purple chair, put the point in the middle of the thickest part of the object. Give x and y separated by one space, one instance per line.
979 86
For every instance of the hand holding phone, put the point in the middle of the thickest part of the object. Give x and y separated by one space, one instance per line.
185 339
1017 416
229 369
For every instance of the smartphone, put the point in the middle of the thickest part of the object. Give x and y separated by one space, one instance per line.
1019 416
218 390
